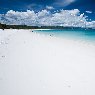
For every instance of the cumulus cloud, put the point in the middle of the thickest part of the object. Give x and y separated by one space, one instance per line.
71 18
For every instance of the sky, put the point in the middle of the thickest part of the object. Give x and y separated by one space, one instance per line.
86 7
23 5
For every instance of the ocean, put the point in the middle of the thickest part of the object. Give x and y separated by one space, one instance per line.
76 34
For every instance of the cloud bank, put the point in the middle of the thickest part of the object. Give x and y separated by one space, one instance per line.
71 18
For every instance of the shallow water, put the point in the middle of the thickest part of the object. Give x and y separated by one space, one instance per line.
79 34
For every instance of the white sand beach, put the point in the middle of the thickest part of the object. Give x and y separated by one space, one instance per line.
36 64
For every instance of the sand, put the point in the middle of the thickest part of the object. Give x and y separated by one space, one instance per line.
36 64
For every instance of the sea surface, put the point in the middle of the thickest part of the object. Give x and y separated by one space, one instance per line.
76 34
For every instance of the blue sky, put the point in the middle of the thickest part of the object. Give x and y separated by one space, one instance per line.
37 5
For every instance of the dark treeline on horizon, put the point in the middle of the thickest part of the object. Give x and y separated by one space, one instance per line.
4 26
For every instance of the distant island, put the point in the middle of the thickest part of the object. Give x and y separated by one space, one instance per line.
4 26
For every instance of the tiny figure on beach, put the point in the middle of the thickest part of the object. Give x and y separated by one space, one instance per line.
32 31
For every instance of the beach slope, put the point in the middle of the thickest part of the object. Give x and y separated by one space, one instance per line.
38 64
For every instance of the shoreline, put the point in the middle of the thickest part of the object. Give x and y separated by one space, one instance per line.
43 29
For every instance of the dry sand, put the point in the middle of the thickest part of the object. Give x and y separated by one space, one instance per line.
36 64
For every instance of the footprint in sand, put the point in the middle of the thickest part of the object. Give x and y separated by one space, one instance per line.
3 56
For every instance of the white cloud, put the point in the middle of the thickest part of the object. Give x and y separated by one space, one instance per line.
30 6
49 7
43 13
64 3
45 17
67 2
89 12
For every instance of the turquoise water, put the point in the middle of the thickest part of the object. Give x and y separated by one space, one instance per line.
82 34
